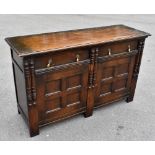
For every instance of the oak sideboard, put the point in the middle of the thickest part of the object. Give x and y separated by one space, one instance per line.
61 74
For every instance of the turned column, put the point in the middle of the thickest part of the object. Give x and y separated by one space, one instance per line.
136 70
31 97
91 82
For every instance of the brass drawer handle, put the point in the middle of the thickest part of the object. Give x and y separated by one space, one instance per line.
109 52
77 58
129 48
49 63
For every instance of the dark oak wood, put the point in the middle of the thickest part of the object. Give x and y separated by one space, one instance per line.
50 42
61 74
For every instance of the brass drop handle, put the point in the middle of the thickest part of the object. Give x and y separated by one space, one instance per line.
49 63
77 58
129 48
109 52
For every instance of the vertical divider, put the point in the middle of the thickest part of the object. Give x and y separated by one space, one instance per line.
91 82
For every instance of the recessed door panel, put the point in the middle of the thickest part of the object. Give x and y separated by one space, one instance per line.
65 92
113 79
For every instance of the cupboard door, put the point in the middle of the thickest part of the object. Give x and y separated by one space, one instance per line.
113 78
62 91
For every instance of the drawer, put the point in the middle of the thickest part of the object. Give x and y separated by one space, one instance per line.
61 57
117 47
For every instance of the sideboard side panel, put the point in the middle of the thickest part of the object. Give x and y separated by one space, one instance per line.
19 81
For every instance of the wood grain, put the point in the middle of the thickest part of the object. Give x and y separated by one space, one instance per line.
41 43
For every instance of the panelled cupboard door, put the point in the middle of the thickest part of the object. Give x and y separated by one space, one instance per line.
113 78
62 91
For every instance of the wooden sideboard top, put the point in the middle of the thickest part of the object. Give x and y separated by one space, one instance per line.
54 41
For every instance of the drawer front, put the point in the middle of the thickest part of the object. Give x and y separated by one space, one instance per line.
59 58
62 92
117 47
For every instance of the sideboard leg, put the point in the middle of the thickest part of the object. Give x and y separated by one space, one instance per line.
90 103
33 132
132 90
87 114
33 121
18 110
129 99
